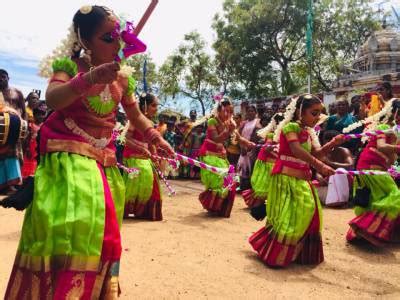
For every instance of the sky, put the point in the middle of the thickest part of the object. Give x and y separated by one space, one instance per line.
31 29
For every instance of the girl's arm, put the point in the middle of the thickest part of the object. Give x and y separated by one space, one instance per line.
385 147
144 125
59 93
218 138
322 151
64 90
138 148
243 142
302 154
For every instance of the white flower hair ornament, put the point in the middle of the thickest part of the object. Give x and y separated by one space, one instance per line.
86 9
314 138
65 49
288 116
373 121
262 133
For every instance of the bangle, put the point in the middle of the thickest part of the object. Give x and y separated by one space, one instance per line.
56 80
128 102
151 134
79 84
91 75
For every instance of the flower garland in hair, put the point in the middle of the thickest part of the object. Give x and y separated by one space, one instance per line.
65 49
373 121
314 138
262 133
288 117
121 137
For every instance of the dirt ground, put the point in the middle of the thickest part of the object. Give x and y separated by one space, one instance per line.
191 255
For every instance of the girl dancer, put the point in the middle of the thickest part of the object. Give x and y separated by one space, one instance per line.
377 211
257 195
142 195
293 229
216 198
70 244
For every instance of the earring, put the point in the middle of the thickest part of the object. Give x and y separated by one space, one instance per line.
86 56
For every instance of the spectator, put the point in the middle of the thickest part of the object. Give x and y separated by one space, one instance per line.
32 103
196 139
385 89
247 157
12 96
337 192
342 118
170 137
332 109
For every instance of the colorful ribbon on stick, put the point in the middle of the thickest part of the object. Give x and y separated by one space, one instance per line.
395 130
171 191
229 175
393 171
132 172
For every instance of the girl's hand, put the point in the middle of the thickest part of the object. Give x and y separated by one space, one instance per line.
231 127
103 74
339 139
251 145
163 147
145 152
327 170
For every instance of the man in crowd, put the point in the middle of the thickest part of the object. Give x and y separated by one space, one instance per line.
12 96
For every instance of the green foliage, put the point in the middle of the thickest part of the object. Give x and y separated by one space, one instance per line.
260 46
189 71
341 26
137 61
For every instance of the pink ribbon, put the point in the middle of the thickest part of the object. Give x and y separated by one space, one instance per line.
132 44
132 172
229 175
395 129
393 171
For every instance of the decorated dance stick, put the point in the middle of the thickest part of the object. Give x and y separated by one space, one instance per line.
229 175
132 172
395 129
173 162
129 35
201 165
394 172
171 191
145 17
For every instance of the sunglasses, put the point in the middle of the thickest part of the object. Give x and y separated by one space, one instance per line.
109 38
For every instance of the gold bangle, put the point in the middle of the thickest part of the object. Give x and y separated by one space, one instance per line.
91 75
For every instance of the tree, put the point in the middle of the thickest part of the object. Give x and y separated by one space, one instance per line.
341 27
263 39
189 71
137 62
261 44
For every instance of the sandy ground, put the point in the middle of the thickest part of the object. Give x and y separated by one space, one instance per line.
191 255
